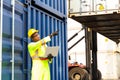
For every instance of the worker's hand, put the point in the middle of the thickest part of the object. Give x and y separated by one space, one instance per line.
50 56
54 34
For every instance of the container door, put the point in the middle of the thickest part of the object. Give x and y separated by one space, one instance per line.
14 59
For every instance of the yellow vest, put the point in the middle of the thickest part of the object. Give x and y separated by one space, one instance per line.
40 68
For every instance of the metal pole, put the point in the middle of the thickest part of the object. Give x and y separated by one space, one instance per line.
13 23
88 51
68 8
75 35
94 55
105 6
76 43
93 5
1 25
119 5
80 6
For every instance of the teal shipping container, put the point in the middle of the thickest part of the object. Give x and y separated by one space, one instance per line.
16 17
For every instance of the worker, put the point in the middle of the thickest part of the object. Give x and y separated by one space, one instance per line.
40 64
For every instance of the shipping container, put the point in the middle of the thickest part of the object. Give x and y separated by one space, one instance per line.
17 16
92 7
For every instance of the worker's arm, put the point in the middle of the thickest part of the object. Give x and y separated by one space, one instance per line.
33 46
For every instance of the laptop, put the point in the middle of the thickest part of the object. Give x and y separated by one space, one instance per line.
52 50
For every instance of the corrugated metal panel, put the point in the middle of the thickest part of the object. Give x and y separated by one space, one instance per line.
55 7
20 48
47 24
